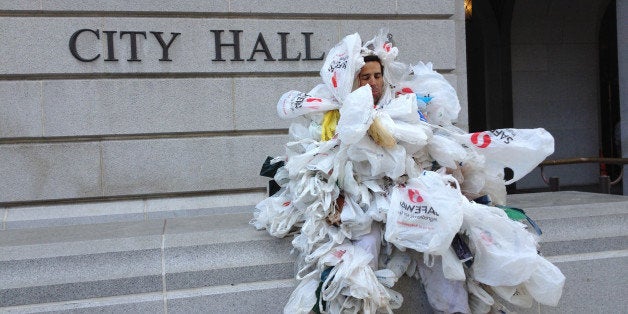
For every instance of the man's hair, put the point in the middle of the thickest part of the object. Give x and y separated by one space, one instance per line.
370 58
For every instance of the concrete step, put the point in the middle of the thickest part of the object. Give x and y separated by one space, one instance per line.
191 255
101 260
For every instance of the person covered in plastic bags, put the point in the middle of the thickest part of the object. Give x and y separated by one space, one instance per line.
375 145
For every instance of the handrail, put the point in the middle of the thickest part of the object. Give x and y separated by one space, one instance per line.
580 160
600 160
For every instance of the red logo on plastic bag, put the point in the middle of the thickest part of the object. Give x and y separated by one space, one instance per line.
483 142
285 204
414 196
334 80
313 99
338 254
405 90
387 47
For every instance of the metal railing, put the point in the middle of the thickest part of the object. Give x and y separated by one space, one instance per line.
604 180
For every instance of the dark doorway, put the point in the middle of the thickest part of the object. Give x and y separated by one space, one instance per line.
489 74
489 70
609 93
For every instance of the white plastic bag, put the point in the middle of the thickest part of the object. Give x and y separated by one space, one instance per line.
546 283
452 266
447 152
355 222
504 251
352 277
294 103
303 298
277 214
341 64
518 149
435 92
480 301
449 296
425 214
372 160
356 115
515 295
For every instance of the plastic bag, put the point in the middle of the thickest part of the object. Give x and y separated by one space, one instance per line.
452 266
546 283
303 298
398 263
434 91
480 301
372 160
416 134
425 214
370 242
505 252
355 222
518 149
383 47
294 103
352 277
277 214
445 295
341 65
515 295
446 152
356 115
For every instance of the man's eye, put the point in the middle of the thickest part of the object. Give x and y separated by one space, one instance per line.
365 77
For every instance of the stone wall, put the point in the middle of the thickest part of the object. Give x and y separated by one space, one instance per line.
141 103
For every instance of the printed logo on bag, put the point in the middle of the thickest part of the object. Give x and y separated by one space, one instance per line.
340 63
387 47
404 90
285 204
419 209
481 139
334 80
506 135
297 101
414 196
312 100
339 253
487 238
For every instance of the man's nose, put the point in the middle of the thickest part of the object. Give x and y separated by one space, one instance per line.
372 81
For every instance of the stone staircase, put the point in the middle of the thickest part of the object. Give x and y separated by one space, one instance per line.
199 254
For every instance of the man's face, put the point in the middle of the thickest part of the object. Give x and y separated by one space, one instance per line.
371 73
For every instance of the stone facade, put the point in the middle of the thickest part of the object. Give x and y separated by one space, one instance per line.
90 111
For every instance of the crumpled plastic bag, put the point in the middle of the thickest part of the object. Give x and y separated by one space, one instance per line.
382 46
505 253
480 301
351 276
452 266
294 103
277 214
439 100
546 283
355 221
303 298
447 152
341 65
425 214
518 295
449 296
372 160
518 149
356 115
